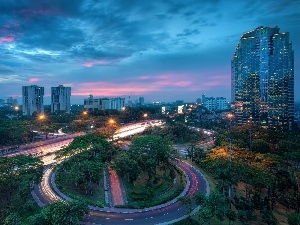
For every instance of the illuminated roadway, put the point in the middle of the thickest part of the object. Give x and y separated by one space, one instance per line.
164 214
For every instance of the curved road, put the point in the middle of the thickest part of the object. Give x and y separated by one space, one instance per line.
163 214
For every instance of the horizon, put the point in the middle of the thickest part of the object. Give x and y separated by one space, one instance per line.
162 51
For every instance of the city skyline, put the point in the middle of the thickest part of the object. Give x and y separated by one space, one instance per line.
161 50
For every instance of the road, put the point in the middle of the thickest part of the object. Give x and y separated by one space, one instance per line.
162 214
46 149
167 213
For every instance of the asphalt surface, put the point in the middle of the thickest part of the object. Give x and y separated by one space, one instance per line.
167 213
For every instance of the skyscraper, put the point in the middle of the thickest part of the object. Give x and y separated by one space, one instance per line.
262 78
33 99
60 98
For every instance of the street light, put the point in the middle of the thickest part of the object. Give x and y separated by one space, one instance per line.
84 113
250 133
111 121
145 115
230 116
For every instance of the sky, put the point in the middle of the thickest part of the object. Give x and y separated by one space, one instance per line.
163 50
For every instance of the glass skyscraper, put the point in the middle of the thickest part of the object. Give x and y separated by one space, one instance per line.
262 78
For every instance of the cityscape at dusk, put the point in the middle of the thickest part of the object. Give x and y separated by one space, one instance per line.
162 50
158 112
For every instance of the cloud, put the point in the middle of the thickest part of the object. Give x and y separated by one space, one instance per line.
7 39
168 47
34 79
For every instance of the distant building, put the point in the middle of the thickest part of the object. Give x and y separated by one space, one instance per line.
141 101
221 103
198 101
180 109
11 102
262 75
2 102
212 104
33 100
60 98
93 104
203 98
130 104
179 102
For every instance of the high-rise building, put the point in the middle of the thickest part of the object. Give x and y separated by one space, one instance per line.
141 101
60 98
262 78
2 102
33 99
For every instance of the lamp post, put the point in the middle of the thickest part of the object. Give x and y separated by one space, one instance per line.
41 118
250 134
230 116
111 123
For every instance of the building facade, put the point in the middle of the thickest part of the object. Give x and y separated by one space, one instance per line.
33 100
212 104
60 98
262 78
93 104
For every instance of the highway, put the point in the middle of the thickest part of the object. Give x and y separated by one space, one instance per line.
46 149
163 214
159 215
167 213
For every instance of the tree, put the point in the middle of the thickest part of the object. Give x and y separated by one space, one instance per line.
61 213
293 218
214 205
231 215
126 166
268 217
12 219
261 146
187 203
149 152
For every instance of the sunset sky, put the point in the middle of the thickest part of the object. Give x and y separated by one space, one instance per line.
163 50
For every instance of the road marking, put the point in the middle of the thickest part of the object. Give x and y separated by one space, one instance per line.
107 218
128 219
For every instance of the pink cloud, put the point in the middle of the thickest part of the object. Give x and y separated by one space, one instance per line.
97 62
34 79
141 85
7 39
111 89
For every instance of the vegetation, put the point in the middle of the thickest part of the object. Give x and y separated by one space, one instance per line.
60 213
147 172
18 176
82 173
263 174
176 133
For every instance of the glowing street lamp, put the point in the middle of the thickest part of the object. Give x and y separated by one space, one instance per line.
111 121
84 113
16 108
42 117
230 116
